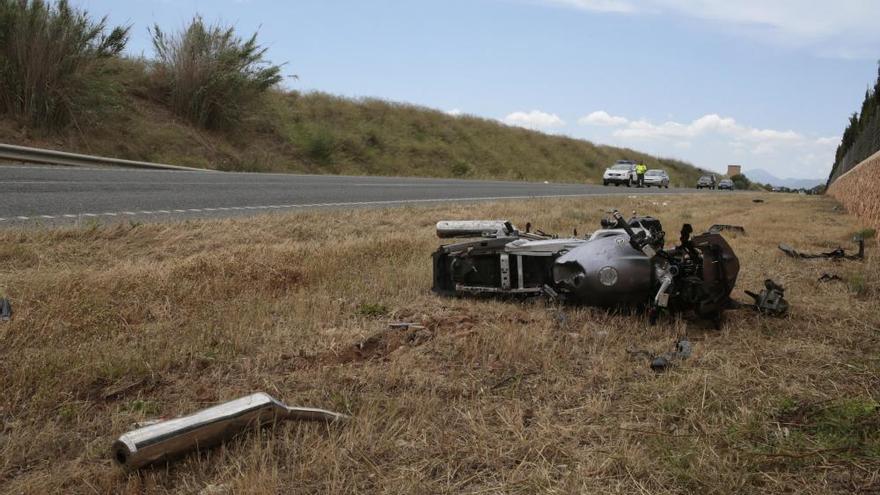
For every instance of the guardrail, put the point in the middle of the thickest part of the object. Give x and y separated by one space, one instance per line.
37 155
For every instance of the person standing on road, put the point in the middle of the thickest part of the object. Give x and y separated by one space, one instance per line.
640 173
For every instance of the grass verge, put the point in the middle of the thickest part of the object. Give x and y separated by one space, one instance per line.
123 323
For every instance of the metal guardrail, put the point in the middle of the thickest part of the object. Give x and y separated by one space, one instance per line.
37 155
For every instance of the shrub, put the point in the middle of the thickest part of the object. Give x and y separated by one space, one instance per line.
53 68
320 145
460 169
741 182
372 310
208 74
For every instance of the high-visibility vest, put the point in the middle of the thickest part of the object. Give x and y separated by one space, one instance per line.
641 169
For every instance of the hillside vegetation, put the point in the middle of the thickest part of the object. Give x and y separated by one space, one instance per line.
320 133
861 138
209 98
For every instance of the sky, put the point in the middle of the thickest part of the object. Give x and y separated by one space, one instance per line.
768 84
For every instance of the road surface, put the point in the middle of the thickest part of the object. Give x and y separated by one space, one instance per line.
63 195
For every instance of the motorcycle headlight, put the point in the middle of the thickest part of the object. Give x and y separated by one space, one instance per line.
608 276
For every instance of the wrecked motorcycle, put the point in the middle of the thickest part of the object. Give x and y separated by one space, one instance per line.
623 264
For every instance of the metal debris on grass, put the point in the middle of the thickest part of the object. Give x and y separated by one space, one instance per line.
837 254
662 362
771 300
165 440
5 310
830 277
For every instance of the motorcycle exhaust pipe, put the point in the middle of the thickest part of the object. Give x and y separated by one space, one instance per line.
168 439
449 229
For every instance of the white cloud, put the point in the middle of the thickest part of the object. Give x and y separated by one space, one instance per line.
620 6
535 119
832 141
602 118
708 126
840 28
712 141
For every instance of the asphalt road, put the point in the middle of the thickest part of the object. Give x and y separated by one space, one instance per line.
63 195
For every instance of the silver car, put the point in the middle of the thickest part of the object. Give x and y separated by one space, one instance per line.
657 177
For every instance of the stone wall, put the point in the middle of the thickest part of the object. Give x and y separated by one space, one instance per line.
858 190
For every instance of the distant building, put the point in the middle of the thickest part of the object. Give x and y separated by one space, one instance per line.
734 170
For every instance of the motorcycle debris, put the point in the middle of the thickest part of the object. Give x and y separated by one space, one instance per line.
837 254
162 441
771 301
5 310
719 227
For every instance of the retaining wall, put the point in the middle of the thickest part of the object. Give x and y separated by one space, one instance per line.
858 190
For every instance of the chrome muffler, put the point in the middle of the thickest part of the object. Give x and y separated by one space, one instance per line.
165 440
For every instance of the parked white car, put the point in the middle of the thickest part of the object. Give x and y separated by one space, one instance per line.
622 172
657 177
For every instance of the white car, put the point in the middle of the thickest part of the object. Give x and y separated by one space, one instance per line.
657 178
622 172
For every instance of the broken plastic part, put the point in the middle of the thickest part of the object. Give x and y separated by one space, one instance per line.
719 227
684 348
5 310
165 440
660 364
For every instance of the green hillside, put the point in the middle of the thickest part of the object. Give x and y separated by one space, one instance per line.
323 134
209 98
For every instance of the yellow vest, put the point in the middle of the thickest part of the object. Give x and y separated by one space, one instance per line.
641 169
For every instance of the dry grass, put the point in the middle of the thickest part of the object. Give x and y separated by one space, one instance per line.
118 324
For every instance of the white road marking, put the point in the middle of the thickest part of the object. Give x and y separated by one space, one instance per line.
316 205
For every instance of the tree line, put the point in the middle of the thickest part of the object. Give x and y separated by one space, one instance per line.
861 138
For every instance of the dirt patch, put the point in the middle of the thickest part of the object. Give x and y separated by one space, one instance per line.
103 390
374 348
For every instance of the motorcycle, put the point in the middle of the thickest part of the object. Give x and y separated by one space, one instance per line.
622 264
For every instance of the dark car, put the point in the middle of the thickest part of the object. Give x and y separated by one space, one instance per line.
707 181
726 184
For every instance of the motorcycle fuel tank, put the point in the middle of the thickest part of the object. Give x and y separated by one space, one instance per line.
605 271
